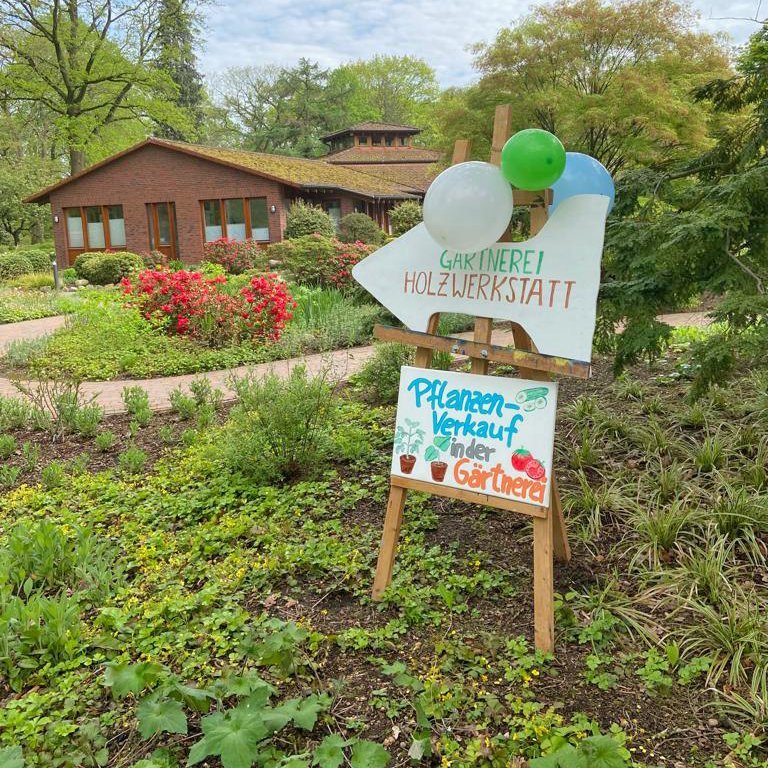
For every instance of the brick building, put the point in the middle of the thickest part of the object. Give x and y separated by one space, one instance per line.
173 197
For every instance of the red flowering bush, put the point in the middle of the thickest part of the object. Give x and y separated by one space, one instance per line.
188 304
319 260
236 256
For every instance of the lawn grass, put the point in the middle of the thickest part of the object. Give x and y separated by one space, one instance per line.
193 573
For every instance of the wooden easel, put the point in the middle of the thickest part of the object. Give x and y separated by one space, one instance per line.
550 539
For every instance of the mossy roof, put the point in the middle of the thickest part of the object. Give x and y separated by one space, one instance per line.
293 171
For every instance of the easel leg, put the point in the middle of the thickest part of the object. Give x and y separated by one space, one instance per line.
543 584
561 546
392 521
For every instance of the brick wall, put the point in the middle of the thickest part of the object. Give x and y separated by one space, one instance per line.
154 174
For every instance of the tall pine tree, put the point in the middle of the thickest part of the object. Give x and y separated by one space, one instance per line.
176 57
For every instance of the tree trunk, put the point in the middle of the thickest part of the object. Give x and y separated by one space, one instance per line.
76 160
36 232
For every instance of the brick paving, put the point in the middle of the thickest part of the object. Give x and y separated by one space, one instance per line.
341 364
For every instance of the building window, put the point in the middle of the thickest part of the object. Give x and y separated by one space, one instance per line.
363 140
403 141
116 226
259 218
75 228
236 218
376 141
389 141
212 220
234 210
95 227
333 209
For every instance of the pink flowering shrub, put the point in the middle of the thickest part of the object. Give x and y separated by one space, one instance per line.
236 256
319 260
188 304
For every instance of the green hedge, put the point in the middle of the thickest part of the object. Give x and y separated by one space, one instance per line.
14 264
40 259
102 268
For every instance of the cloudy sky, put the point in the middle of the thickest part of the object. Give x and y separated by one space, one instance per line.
252 32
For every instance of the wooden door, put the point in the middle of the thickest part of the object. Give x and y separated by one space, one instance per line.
162 229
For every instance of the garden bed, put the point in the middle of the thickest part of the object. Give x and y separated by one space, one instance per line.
217 573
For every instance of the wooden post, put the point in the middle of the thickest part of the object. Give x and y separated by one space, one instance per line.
392 522
543 585
502 129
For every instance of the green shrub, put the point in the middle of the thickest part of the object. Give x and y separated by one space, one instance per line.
40 259
14 265
321 261
9 475
53 476
107 268
105 440
356 227
183 404
15 413
280 429
132 460
135 399
306 219
404 216
8 446
379 379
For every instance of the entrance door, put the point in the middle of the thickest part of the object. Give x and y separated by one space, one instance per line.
162 229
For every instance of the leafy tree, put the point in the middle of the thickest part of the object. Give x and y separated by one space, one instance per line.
611 79
702 225
87 64
176 57
17 180
391 89
281 109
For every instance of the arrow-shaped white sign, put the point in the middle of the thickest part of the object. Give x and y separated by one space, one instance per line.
548 284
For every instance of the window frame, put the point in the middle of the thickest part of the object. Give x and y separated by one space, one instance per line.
246 201
86 247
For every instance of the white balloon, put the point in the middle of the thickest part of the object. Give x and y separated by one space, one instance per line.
468 206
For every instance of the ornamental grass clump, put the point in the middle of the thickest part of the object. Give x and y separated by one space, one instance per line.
188 304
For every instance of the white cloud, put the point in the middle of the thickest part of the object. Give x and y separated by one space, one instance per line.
240 33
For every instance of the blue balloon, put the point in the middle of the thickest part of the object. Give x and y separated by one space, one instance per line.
583 175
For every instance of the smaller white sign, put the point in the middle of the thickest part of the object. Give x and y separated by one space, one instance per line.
486 434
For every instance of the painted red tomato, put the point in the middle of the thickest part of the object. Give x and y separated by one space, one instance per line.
520 458
534 470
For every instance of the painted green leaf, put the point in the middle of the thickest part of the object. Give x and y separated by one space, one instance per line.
431 453
442 442
330 752
158 715
369 754
130 678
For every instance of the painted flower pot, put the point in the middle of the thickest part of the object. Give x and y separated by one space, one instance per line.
407 460
438 469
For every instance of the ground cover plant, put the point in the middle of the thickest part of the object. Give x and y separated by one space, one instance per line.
194 325
216 613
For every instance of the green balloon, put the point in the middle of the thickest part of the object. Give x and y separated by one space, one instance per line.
533 159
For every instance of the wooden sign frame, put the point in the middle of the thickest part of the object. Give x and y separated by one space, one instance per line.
550 538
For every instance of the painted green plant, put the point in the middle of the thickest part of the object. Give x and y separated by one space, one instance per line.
438 445
408 439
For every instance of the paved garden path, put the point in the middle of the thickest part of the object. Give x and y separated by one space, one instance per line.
342 363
